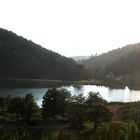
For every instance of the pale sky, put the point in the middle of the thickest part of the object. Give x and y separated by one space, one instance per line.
74 27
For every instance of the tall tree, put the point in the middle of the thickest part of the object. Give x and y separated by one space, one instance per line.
30 107
23 107
55 102
77 111
97 109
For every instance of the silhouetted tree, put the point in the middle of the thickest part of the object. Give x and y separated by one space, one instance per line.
16 106
23 107
97 110
55 102
76 112
30 107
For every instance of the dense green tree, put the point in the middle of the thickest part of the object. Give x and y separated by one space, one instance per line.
97 110
55 102
76 112
24 108
30 107
16 106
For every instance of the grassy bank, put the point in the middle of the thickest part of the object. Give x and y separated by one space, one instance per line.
106 131
30 83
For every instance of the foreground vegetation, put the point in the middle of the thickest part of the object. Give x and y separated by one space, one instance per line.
111 131
66 117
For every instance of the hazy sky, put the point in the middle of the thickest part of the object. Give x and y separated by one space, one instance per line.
74 27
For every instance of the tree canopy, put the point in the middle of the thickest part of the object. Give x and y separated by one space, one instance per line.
24 108
55 102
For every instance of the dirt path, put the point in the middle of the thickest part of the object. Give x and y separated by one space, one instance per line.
114 110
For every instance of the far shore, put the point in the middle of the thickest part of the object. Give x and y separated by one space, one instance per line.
45 83
30 83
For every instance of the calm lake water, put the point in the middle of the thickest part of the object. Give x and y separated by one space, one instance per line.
123 95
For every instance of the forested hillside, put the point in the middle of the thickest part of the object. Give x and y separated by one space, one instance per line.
128 67
126 64
105 59
21 58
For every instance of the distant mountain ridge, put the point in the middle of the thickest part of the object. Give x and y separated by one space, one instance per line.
77 58
21 58
105 59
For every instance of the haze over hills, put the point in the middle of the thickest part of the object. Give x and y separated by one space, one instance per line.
105 59
21 58
77 58
127 67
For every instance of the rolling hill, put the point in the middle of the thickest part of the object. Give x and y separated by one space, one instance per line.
127 67
105 59
21 58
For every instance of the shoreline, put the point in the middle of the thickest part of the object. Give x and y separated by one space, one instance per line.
45 83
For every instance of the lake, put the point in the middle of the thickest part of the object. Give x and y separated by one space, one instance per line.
111 95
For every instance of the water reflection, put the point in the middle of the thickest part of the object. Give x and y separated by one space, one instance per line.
123 95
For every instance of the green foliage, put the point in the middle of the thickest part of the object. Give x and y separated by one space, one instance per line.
106 131
117 131
86 118
16 106
15 134
127 66
97 110
109 77
24 108
100 73
30 107
130 112
93 108
78 109
55 102
4 103
76 112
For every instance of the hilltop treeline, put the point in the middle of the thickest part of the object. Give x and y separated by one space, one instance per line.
119 66
21 58
110 57
127 64
126 69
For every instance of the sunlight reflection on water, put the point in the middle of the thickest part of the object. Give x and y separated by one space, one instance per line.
123 95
